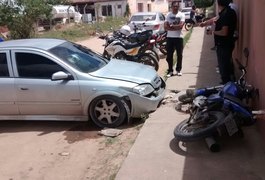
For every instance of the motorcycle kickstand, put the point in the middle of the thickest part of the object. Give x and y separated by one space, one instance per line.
212 144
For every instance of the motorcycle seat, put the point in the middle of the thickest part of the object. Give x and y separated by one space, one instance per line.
128 45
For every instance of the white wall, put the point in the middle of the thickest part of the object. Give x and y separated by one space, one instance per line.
115 10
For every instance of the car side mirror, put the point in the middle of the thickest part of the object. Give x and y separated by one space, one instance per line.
60 75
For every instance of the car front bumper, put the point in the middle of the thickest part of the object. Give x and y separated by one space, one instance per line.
142 105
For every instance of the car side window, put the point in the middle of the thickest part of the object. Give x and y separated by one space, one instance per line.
36 66
3 65
161 17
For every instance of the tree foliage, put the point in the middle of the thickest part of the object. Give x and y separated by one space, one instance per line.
203 3
21 16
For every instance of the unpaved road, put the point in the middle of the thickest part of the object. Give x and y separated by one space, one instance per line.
33 150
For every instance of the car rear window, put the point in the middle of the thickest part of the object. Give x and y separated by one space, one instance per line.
143 17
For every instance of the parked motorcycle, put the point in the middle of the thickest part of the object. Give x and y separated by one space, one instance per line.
217 111
116 47
161 41
144 37
190 23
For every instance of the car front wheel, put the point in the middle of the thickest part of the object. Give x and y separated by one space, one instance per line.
107 111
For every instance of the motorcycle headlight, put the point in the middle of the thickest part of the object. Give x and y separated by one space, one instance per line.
200 101
143 89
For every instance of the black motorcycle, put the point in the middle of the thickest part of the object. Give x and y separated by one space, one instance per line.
190 23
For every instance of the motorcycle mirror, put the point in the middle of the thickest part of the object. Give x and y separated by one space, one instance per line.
246 54
241 67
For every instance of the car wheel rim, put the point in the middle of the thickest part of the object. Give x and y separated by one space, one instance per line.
107 111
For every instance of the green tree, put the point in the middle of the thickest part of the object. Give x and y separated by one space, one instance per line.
203 3
21 16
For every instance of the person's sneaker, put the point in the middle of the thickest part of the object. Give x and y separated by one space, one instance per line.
217 70
213 48
179 73
169 74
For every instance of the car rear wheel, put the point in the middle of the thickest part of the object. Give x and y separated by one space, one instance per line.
107 111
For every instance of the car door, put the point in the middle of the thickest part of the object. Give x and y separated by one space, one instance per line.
36 93
7 91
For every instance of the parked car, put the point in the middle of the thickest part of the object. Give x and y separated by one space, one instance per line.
53 79
153 21
186 11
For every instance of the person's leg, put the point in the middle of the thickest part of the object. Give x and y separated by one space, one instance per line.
179 48
170 51
224 62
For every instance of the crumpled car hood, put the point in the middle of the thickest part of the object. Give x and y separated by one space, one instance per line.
128 71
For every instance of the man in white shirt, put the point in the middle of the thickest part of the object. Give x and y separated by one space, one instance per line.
173 25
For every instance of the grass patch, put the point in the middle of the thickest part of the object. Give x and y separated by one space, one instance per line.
76 32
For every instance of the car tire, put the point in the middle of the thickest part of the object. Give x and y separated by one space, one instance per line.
107 111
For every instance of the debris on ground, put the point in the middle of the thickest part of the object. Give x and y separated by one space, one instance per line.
110 132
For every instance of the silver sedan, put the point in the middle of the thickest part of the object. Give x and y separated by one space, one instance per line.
53 79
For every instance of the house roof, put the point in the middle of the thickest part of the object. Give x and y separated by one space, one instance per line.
92 1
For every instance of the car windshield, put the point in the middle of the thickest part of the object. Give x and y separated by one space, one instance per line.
79 57
143 18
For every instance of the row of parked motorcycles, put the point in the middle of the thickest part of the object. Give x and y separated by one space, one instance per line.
135 44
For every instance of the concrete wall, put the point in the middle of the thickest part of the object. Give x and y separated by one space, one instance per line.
156 5
252 35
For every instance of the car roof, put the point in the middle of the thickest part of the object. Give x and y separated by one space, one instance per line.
186 8
145 13
40 43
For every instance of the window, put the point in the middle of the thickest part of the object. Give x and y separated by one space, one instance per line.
3 65
35 66
119 7
149 8
140 7
107 10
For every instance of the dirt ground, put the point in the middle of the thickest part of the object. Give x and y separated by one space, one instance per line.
35 150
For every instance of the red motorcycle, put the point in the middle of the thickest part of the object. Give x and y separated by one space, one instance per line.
161 41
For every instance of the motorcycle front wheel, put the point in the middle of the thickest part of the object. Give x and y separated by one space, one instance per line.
106 55
192 131
162 47
148 59
188 26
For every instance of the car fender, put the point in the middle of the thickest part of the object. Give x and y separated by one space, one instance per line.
87 102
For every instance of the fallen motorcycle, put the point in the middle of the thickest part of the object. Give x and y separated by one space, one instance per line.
217 111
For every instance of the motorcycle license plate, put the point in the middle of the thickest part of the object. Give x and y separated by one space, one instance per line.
230 125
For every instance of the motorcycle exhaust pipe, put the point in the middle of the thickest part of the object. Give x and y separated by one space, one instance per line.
212 144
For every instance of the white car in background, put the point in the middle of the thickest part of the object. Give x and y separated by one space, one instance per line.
186 11
152 20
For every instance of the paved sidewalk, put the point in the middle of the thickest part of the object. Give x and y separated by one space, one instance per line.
155 154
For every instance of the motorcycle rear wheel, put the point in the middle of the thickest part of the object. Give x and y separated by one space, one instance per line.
186 131
148 59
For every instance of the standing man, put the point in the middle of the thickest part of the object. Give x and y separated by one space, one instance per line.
173 25
223 34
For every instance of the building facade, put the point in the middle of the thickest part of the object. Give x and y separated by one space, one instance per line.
251 29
